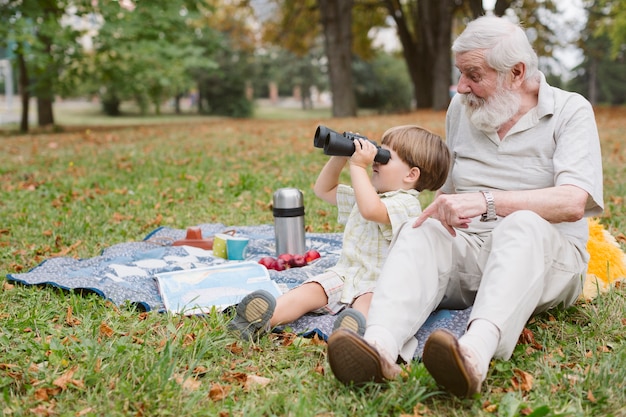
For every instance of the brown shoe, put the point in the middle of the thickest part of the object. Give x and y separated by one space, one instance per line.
451 365
354 361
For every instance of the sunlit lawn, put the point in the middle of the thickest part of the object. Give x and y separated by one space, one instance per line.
78 192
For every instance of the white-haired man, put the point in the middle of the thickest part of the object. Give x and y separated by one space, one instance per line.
506 234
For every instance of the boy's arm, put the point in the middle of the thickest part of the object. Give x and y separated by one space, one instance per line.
370 205
328 180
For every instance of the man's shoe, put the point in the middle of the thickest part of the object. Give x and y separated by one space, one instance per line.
350 319
354 361
253 314
451 365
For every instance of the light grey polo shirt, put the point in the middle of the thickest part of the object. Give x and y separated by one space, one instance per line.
556 143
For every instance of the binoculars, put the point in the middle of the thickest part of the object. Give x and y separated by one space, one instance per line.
338 144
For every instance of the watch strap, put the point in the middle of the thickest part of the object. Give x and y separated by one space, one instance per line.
490 215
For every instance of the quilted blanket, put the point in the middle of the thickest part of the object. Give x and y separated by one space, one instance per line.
125 272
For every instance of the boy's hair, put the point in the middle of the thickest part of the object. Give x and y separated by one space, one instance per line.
423 149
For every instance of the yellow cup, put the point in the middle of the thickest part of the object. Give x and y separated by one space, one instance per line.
219 245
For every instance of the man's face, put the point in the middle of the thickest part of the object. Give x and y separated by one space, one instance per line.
486 93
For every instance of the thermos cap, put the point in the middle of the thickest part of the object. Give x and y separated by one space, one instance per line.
288 198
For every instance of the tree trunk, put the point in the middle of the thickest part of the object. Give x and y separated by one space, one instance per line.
45 89
336 16
23 89
45 116
424 30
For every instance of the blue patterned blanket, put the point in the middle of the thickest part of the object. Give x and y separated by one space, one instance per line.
125 273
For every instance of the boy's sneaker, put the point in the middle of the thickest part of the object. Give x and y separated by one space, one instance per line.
350 319
253 314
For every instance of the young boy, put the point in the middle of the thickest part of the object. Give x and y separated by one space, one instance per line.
372 209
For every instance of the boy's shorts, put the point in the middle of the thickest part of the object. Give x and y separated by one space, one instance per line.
333 287
332 284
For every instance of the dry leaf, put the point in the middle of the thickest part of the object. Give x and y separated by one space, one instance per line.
66 379
254 381
528 338
522 380
591 397
234 348
188 384
105 330
69 319
218 392
44 410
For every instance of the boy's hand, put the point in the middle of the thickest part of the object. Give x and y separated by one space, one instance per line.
364 153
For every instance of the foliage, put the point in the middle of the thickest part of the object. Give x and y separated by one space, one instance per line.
611 15
383 84
600 76
290 71
66 353
146 53
33 32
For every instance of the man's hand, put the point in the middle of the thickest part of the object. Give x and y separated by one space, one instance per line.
454 210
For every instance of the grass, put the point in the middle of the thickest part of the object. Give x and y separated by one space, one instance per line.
77 192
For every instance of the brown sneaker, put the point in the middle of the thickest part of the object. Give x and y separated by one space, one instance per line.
354 361
350 319
451 365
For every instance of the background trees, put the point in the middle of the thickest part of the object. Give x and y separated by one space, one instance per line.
228 52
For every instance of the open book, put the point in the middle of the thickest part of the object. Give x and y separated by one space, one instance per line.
197 291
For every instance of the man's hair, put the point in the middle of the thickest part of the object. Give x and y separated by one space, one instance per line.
504 43
423 149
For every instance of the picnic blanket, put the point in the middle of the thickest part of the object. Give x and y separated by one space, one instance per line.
125 272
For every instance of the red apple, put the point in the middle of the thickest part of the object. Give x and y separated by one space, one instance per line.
298 261
281 265
287 257
311 255
268 262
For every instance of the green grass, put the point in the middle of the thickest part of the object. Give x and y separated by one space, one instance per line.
70 354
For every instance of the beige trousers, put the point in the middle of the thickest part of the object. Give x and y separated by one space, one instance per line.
525 266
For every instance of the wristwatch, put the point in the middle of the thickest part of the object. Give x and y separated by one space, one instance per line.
490 215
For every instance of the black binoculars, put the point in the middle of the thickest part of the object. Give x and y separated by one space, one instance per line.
338 144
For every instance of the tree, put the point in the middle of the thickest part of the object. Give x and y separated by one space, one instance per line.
336 19
600 76
43 48
344 25
147 53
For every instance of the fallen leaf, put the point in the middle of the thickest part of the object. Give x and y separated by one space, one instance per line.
65 379
218 392
522 380
70 320
105 330
528 338
591 397
254 381
44 410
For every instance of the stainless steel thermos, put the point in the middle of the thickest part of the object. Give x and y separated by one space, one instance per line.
289 221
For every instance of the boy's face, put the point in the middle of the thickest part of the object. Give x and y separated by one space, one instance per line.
392 175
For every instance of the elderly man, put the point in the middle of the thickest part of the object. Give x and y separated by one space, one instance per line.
506 234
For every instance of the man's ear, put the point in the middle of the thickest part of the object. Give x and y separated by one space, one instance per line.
518 73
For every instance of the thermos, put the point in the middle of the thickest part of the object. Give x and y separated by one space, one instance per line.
289 221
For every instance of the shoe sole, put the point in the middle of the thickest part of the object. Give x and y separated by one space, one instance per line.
351 320
352 360
253 313
442 359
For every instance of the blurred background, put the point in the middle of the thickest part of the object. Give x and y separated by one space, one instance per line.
234 58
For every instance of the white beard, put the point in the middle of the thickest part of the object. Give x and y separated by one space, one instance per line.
490 114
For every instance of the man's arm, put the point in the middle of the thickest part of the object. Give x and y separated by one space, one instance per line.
565 203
